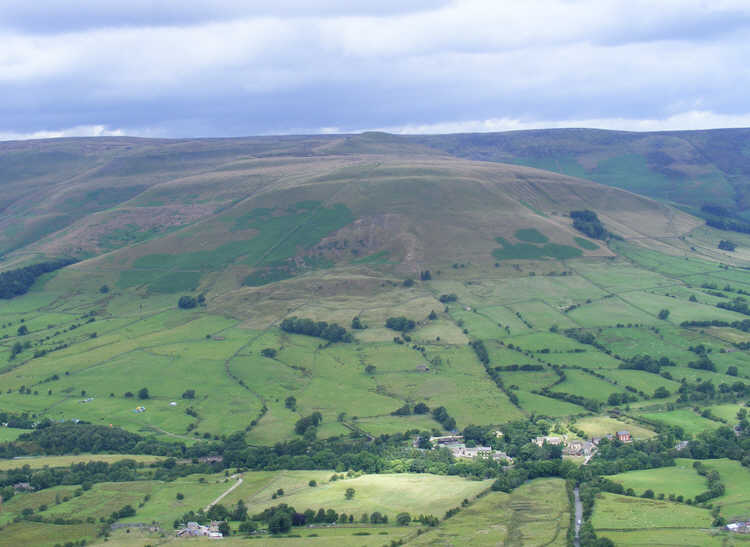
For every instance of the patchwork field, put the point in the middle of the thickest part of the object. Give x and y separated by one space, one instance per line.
466 286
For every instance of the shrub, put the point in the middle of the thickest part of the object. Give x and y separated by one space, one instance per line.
187 302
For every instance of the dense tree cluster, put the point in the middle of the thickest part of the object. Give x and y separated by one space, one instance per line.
306 423
646 363
440 415
588 223
19 281
320 329
401 324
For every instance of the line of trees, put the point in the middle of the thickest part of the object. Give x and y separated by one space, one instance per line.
18 281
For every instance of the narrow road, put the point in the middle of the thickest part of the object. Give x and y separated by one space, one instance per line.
235 485
579 516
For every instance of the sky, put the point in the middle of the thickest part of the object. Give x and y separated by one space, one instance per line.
214 68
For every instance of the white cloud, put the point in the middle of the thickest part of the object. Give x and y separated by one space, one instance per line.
78 131
695 119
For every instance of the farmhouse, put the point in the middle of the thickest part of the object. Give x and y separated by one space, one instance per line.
481 452
554 441
579 448
597 440
193 529
739 527
447 439
624 436
682 445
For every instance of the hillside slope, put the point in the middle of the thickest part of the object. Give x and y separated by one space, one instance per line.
131 201
690 167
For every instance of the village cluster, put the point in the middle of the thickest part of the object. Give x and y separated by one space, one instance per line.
572 447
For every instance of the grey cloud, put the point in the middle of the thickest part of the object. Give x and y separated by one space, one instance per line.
235 71
55 16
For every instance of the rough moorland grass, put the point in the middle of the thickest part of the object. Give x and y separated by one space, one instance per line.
536 513
676 536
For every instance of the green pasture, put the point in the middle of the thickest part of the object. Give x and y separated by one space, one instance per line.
681 479
641 381
609 312
543 315
547 406
580 383
388 493
685 418
10 434
735 503
38 462
599 426
615 512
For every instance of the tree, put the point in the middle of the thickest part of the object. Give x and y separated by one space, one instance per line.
663 314
403 519
180 496
143 393
291 403
432 316
240 512
268 352
370 369
401 324
357 324
224 529
649 494
313 483
104 289
188 394
349 493
187 302
23 330
421 408
732 371
726 245
15 350
248 527
661 392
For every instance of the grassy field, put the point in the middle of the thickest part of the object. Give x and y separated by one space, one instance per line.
389 494
614 512
679 480
685 418
535 514
36 462
735 503
599 426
